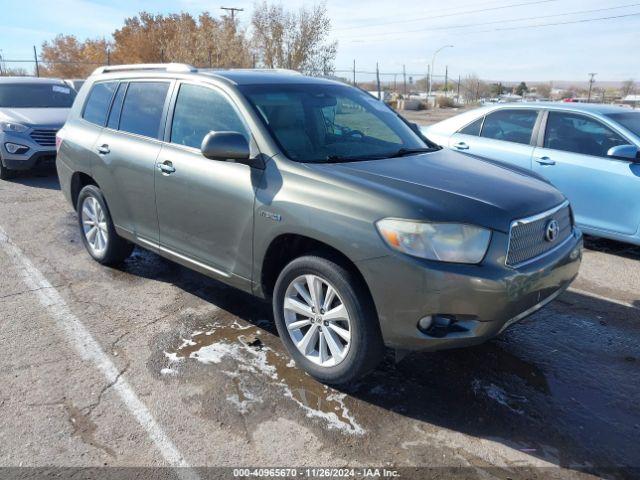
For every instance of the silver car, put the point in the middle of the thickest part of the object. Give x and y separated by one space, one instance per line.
589 152
32 110
318 197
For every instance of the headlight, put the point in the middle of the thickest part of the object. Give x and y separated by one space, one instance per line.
13 127
446 242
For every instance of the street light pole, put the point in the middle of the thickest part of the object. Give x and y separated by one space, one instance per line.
433 61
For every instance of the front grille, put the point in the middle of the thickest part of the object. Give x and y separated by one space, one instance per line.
527 239
46 138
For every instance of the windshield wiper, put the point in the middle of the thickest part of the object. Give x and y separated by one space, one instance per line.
354 158
410 151
398 153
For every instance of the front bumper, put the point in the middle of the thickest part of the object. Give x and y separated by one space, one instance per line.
483 299
35 155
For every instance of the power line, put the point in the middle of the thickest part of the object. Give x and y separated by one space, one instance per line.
521 19
419 19
586 20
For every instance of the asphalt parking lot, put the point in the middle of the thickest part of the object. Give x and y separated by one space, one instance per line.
151 364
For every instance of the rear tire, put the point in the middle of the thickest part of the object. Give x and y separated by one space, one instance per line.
97 230
345 329
6 173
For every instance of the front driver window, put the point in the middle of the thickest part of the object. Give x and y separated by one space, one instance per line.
579 134
510 125
200 110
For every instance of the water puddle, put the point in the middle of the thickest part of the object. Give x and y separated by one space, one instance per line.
247 347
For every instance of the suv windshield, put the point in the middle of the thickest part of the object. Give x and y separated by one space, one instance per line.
35 95
324 123
629 120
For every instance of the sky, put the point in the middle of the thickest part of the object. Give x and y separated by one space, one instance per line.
494 39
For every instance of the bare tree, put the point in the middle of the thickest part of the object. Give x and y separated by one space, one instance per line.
473 89
544 90
296 40
628 87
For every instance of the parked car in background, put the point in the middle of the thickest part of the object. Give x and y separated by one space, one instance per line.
32 110
589 152
75 83
319 197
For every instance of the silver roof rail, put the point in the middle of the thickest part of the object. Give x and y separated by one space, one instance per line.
167 67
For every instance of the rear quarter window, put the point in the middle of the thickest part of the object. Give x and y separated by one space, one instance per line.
98 102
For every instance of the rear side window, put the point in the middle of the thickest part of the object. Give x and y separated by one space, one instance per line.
579 134
473 128
200 110
510 125
142 108
97 106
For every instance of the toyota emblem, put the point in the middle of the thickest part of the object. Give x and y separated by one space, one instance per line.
552 231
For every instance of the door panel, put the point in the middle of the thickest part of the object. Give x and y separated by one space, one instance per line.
205 209
603 192
504 135
126 176
507 152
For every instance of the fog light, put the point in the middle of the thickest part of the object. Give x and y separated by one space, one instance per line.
15 148
425 323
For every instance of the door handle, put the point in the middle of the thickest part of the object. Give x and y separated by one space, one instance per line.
103 149
545 161
461 146
166 167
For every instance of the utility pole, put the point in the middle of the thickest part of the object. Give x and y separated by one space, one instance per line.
108 56
592 80
354 72
233 11
404 78
446 81
35 57
458 94
428 81
378 82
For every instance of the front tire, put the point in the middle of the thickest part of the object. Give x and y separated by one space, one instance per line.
6 173
326 320
97 230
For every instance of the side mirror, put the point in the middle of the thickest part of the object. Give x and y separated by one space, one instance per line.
225 146
625 152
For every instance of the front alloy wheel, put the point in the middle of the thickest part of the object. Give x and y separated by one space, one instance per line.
326 318
317 320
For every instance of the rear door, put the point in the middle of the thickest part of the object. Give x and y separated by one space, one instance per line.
128 148
505 135
205 207
603 190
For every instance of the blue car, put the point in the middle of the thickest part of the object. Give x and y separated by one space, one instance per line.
589 152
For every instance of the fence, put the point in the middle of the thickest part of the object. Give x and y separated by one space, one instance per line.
402 81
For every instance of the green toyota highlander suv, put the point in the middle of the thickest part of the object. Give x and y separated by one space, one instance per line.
319 197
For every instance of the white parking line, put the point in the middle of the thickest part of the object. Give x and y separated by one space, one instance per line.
602 297
90 350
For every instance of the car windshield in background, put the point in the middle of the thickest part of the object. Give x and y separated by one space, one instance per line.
331 123
629 120
35 95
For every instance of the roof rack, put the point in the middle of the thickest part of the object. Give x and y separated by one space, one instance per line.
167 67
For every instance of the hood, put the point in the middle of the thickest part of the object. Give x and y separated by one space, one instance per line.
450 187
33 117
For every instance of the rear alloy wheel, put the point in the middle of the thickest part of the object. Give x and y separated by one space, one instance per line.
326 319
96 227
